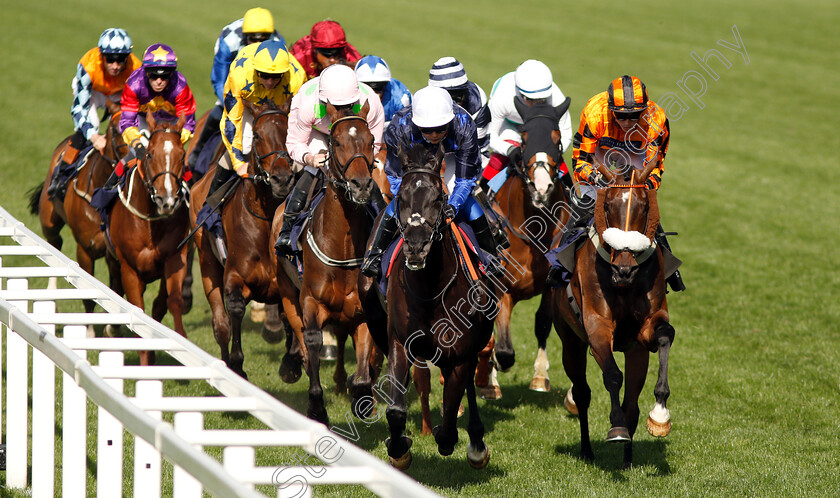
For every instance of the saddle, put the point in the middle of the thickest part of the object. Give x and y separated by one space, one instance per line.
67 174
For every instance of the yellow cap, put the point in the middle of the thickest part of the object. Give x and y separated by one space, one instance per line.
271 57
258 20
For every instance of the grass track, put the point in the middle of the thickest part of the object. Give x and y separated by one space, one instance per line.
751 184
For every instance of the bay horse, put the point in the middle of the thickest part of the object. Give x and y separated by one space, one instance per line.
248 272
333 251
147 224
618 284
75 210
534 206
438 308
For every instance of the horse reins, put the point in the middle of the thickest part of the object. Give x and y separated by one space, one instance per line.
261 174
148 183
341 181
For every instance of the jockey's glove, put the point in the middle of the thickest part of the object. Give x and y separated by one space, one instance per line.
515 155
185 135
139 151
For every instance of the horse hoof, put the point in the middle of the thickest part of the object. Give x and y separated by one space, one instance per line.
329 353
289 371
401 463
490 392
478 459
618 435
658 429
319 416
569 403
113 331
272 336
540 384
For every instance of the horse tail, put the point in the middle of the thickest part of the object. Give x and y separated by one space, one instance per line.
35 198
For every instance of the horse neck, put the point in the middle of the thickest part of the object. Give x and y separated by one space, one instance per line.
338 215
258 198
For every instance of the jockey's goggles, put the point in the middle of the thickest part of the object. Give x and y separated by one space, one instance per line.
377 86
270 76
111 58
159 73
331 53
436 129
459 95
256 37
632 116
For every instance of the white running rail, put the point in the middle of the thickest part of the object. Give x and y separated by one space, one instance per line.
33 325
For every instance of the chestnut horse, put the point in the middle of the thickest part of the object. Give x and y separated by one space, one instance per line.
333 250
618 284
75 210
533 203
437 309
248 272
147 225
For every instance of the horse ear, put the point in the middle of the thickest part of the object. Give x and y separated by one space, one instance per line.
562 108
648 169
556 136
113 107
181 120
150 120
332 112
365 109
521 107
441 152
403 155
251 107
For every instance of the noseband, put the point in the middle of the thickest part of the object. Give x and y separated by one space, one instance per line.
651 224
436 232
337 170
261 175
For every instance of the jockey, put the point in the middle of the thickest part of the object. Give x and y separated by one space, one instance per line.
532 83
433 119
257 26
100 76
324 46
261 73
374 71
450 75
309 128
618 124
157 87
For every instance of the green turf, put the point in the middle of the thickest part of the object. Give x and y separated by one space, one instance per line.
750 183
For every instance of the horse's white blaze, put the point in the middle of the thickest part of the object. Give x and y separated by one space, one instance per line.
416 219
625 196
631 241
167 149
352 131
542 180
660 414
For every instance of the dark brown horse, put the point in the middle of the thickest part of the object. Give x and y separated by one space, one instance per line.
248 272
436 310
533 203
618 284
147 224
75 210
333 249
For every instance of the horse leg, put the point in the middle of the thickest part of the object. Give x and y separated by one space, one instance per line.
275 325
505 355
478 454
635 365
485 377
187 295
51 222
398 445
361 382
235 305
115 283
175 271
613 380
446 434
293 359
542 329
659 419
574 363
212 277
423 384
134 289
340 374
86 263
313 340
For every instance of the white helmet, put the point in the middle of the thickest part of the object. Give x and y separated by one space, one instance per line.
372 69
431 107
338 85
533 79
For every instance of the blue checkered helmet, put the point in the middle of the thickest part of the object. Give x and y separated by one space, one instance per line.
114 41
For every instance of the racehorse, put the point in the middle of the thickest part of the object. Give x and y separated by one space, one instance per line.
248 272
147 225
618 285
533 203
439 307
333 249
75 210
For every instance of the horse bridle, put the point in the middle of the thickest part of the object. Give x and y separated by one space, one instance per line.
523 170
336 173
436 233
261 174
149 183
613 251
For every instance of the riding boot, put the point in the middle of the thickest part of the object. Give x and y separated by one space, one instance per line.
382 238
675 280
68 157
295 203
111 182
579 218
211 126
482 196
377 200
484 185
486 242
220 177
